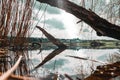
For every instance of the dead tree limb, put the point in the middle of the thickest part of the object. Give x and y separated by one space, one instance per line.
51 38
60 45
100 25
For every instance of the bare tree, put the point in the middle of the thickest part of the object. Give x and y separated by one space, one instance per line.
100 25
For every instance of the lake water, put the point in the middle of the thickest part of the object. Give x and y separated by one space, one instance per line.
62 64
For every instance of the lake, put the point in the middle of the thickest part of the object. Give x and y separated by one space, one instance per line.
62 64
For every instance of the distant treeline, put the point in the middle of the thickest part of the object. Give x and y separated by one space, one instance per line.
74 40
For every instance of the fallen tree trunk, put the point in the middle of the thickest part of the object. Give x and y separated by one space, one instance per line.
100 25
60 45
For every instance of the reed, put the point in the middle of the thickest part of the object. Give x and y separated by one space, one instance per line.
7 74
15 21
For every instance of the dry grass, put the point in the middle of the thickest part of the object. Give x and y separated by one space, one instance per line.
15 23
15 20
10 71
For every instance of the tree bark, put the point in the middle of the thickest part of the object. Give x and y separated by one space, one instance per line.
100 25
60 45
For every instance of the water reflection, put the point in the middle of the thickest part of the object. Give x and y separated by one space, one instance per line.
60 64
63 64
9 59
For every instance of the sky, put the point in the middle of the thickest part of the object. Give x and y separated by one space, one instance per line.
62 24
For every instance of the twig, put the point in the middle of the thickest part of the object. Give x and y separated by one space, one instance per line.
9 72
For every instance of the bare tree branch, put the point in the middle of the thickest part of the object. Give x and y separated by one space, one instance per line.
9 72
100 25
61 47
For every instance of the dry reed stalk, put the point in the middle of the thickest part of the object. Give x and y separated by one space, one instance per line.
68 77
15 20
2 52
16 77
24 22
76 57
9 72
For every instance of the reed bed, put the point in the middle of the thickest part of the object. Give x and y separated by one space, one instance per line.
15 24
15 21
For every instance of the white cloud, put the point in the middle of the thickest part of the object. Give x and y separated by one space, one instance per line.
72 30
107 1
69 22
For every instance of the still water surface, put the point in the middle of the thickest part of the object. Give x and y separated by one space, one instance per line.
63 64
